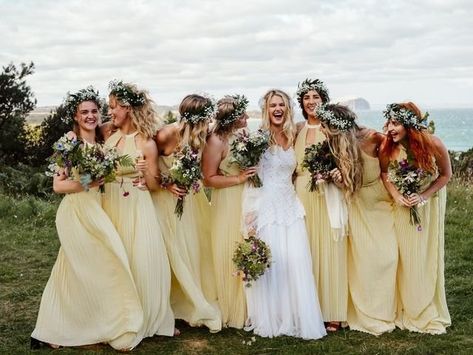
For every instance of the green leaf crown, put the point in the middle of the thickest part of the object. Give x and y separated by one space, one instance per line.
406 117
72 101
308 85
126 93
340 123
240 104
206 112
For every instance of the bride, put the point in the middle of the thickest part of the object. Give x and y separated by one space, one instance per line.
284 300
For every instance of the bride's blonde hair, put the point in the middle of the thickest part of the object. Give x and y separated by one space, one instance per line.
288 126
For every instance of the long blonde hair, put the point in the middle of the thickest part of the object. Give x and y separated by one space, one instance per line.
344 147
193 134
143 117
288 126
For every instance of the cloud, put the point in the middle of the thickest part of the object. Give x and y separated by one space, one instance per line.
421 49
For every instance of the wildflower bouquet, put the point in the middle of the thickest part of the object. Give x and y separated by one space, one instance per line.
408 180
251 258
89 162
99 162
247 150
318 159
186 173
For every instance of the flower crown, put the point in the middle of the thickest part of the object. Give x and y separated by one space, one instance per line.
72 101
240 104
406 117
126 94
308 85
206 112
338 122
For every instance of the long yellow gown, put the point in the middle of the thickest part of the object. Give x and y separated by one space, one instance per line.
135 220
90 296
422 305
329 257
372 255
193 295
225 233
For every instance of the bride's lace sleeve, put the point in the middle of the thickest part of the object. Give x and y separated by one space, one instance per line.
251 201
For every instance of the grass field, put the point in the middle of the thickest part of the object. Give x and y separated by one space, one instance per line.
29 245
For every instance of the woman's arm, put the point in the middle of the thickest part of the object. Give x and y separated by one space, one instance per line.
393 191
62 185
211 159
149 165
442 160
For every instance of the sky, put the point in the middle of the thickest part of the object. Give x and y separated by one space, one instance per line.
417 50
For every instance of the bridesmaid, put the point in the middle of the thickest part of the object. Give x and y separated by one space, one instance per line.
422 305
90 296
193 294
372 246
329 252
131 209
227 182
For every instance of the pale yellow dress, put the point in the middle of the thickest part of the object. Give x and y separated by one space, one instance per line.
422 303
135 220
329 257
372 254
225 233
193 294
90 296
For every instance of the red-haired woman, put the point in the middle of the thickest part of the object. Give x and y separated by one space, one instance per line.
410 146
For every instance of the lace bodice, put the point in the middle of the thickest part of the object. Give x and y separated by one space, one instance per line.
279 202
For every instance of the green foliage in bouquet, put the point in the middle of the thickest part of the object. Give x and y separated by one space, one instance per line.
251 258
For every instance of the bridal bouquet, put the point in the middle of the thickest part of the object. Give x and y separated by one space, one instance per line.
90 162
247 150
318 159
184 172
251 258
408 180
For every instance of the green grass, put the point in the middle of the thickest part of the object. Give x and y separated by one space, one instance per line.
28 248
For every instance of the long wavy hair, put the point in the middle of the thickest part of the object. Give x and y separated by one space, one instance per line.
143 117
288 126
344 147
420 143
193 134
225 107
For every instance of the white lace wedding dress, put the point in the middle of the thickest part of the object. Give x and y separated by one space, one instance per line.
284 300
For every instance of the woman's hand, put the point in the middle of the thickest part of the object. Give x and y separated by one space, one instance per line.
416 199
142 166
246 174
336 176
402 201
176 190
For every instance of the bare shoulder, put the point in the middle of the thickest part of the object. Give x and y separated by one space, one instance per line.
215 141
299 126
165 133
106 129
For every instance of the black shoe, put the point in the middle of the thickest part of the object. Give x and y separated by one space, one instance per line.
36 344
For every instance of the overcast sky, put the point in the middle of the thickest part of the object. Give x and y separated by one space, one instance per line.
421 50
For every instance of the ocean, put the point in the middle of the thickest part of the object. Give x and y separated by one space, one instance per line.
453 126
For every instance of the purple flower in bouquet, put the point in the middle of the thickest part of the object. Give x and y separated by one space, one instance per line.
186 173
408 179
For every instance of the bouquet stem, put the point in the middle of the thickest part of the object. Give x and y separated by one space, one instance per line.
255 181
179 207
